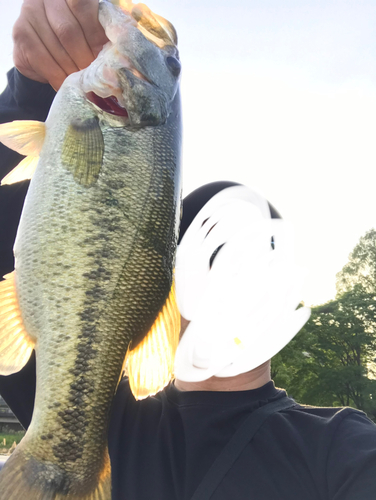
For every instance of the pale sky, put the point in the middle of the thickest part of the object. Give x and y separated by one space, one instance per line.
281 96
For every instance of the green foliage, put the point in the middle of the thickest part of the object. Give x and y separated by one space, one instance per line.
360 271
7 439
331 362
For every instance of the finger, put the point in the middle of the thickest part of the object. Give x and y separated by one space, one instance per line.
86 13
32 59
69 32
38 20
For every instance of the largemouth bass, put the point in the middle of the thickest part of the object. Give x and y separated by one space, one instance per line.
94 254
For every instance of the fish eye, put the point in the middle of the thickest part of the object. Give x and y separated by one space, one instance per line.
174 65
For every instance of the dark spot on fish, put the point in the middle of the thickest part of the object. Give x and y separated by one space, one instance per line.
88 241
87 331
116 184
112 202
86 314
68 450
47 477
96 292
106 254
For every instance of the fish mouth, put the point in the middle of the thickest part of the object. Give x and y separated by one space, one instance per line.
107 104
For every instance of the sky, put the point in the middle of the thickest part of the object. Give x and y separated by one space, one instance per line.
280 96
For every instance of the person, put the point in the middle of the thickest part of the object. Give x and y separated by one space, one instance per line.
166 446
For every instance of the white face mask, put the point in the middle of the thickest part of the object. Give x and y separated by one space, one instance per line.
242 309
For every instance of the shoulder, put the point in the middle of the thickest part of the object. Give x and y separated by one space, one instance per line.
351 456
330 423
331 432
340 419
338 446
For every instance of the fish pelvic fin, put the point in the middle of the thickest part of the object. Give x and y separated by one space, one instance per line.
22 172
16 345
25 476
83 151
27 138
150 364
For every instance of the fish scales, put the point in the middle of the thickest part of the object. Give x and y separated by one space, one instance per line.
94 257
95 278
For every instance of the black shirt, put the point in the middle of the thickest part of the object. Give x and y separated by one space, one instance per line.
161 447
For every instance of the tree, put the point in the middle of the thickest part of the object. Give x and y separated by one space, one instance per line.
360 271
328 362
331 362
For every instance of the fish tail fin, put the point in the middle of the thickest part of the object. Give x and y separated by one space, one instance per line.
24 476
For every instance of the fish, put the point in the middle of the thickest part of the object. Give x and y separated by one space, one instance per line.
92 291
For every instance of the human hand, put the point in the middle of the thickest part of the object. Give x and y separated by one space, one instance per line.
54 38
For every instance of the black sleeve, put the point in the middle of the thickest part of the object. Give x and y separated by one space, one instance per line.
23 99
352 460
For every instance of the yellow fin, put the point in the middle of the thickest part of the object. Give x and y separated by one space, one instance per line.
25 475
154 27
24 136
22 172
83 150
150 365
16 345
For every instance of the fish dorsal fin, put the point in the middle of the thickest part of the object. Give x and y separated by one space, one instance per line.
83 150
150 364
16 345
22 172
27 138
24 136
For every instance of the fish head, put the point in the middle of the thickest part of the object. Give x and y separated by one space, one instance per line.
136 75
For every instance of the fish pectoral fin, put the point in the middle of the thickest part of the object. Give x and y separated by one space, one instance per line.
24 171
24 136
83 150
16 345
150 364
